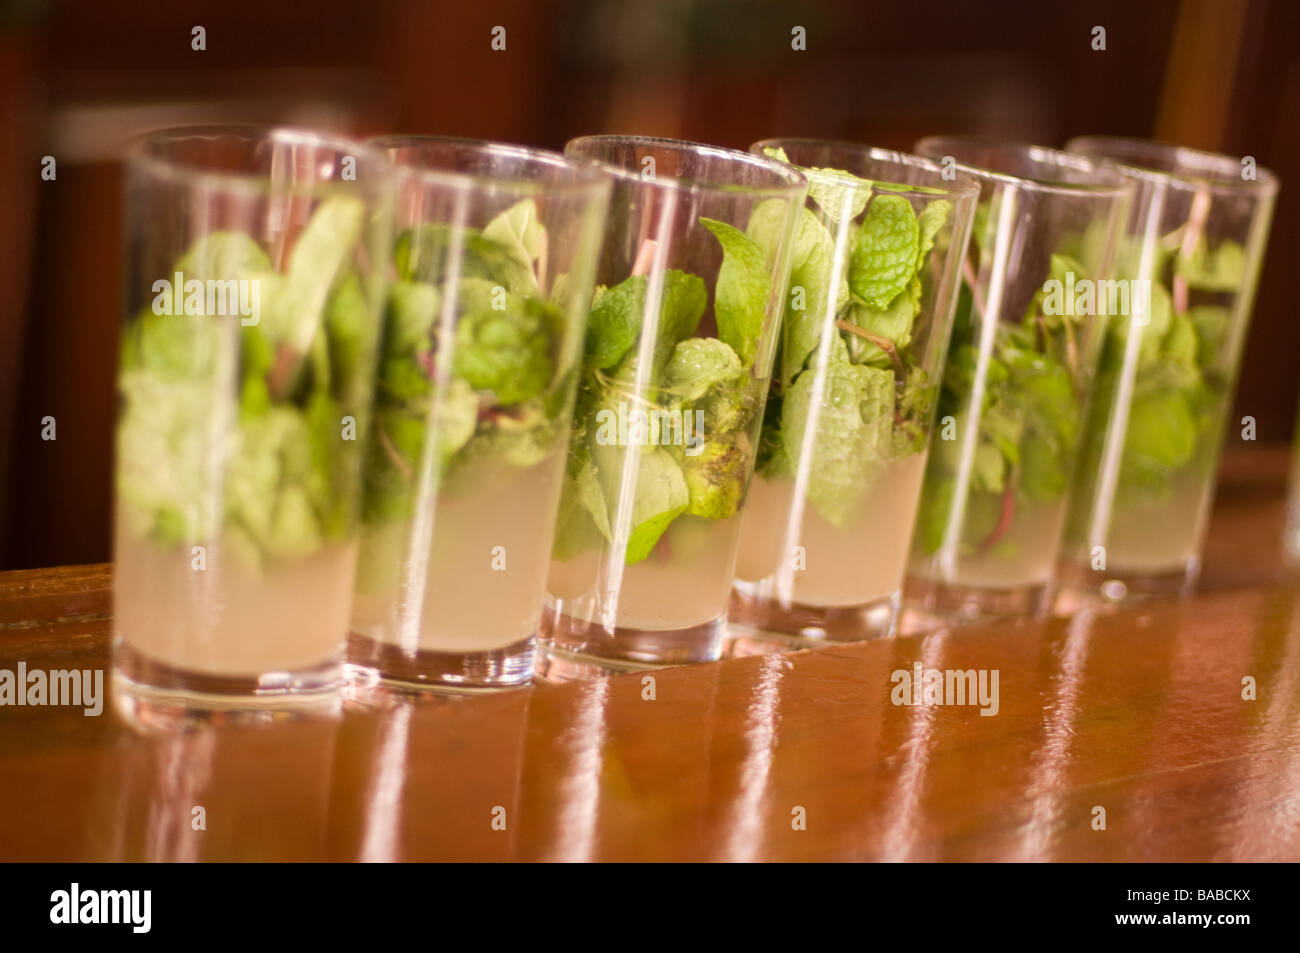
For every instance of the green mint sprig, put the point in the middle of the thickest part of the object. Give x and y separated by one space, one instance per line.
1182 370
501 392
708 377
1029 421
850 323
286 484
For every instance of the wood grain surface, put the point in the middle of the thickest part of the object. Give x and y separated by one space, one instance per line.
799 756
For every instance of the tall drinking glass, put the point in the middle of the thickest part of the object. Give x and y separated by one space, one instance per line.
675 372
1017 378
493 261
873 284
1188 265
254 281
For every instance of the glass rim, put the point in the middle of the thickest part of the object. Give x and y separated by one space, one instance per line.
1106 182
790 180
139 152
1214 166
585 174
965 185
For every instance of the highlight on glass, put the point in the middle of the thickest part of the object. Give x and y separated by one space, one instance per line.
1187 267
492 263
1019 369
675 372
841 455
253 288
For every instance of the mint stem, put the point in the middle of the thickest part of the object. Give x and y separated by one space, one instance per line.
283 372
393 454
539 266
1071 351
1006 517
883 343
968 274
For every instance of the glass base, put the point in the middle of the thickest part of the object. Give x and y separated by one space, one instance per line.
1081 585
570 644
556 665
376 664
799 626
152 696
931 605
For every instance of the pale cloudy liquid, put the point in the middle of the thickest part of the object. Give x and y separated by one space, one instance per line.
684 582
1160 533
229 619
852 565
1024 556
480 585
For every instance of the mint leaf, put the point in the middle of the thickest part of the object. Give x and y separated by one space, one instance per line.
455 416
1211 323
1042 475
931 221
684 300
731 404
851 429
1179 345
323 247
740 296
937 494
1044 391
221 256
812 267
524 437
1161 433
1060 267
1158 319
173 346
884 257
161 477
840 194
582 521
433 252
615 321
267 480
766 226
412 307
698 365
330 483
505 352
294 531
1221 270
715 479
660 497
998 449
348 335
391 462
893 323
519 232
913 413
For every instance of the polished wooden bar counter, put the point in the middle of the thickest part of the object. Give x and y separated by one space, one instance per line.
799 756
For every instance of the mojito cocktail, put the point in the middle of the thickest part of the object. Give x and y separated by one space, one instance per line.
843 445
493 265
246 370
675 373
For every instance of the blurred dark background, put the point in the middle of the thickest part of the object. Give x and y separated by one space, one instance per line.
78 78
